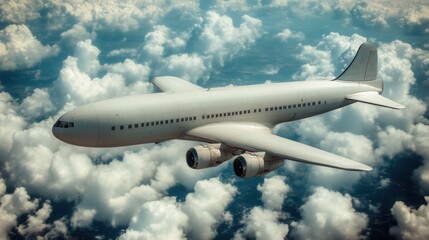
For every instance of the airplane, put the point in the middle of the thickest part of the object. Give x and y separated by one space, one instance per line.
235 122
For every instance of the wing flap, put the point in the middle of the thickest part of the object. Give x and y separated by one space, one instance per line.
175 84
259 138
374 98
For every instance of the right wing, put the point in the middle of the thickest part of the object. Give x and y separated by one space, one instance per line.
258 138
175 84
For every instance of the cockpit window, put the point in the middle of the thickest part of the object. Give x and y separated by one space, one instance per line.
64 124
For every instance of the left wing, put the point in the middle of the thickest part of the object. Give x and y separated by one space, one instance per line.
175 84
258 138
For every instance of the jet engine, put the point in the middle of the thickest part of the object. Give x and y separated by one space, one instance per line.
209 155
255 164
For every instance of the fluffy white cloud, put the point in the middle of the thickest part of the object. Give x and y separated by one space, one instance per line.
18 205
206 207
37 104
189 67
273 191
160 219
160 39
220 40
76 34
412 223
79 83
20 49
329 215
264 223
11 121
197 217
287 34
20 11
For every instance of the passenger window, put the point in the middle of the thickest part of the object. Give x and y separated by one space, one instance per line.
271 109
177 120
147 124
122 127
182 119
171 120
294 106
299 104
113 128
130 126
195 118
320 102
71 124
213 115
266 109
186 119
136 125
152 123
157 123
229 114
260 110
303 104
224 114
208 116
161 122
275 108
314 103
203 116
241 112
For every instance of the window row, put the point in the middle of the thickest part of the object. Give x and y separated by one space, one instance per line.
155 123
208 116
293 106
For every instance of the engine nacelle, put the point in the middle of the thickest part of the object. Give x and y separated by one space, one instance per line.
255 164
206 156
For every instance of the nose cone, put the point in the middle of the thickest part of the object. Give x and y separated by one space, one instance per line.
63 129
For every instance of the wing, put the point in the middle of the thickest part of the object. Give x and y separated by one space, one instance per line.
258 138
175 84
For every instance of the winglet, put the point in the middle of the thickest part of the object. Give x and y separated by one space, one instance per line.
375 99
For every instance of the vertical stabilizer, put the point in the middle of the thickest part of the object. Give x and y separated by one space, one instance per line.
363 66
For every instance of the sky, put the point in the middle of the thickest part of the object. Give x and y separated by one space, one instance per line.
58 55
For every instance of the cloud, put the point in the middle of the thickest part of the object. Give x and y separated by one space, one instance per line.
220 40
19 205
37 104
197 217
206 207
20 11
264 223
287 34
273 191
76 34
19 49
160 219
80 82
412 223
329 215
11 119
189 67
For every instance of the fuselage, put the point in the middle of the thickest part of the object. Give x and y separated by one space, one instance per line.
158 117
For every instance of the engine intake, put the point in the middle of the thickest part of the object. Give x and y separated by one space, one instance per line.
206 156
255 164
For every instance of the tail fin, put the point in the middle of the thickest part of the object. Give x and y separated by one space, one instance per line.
363 67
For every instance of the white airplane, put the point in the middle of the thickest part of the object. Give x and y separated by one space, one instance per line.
235 121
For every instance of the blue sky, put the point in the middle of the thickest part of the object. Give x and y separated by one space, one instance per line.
55 56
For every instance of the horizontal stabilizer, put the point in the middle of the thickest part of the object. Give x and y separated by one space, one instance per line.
374 98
